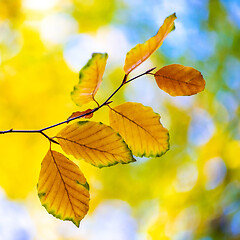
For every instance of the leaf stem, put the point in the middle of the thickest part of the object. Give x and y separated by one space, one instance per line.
106 102
147 72
95 100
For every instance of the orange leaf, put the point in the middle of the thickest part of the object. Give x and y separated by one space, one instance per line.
178 80
141 52
62 188
78 113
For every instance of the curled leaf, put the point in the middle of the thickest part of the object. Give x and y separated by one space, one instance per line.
94 142
140 128
178 80
90 78
141 52
78 113
62 188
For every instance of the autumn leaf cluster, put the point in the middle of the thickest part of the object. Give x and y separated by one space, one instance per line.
135 129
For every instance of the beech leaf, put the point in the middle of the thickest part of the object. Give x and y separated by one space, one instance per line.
62 188
90 78
141 52
178 80
94 142
78 113
140 128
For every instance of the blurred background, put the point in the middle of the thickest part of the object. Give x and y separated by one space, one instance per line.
193 191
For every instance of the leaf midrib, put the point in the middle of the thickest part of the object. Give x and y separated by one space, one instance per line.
179 81
63 183
138 125
94 149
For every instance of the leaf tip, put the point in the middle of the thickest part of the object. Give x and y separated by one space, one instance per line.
131 161
100 55
76 223
173 15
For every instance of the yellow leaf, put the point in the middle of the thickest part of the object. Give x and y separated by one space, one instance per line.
62 188
94 142
141 52
178 80
90 78
140 128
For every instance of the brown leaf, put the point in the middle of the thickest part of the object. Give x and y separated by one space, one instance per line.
78 113
178 80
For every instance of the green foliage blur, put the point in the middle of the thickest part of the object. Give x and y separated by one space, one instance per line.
193 191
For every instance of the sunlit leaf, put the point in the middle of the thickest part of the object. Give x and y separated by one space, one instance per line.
178 80
78 113
62 188
90 78
94 142
140 128
143 51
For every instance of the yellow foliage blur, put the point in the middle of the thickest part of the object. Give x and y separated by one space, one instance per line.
193 191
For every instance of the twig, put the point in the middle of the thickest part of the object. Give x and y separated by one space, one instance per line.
105 103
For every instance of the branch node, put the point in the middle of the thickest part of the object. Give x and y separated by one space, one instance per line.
108 102
125 79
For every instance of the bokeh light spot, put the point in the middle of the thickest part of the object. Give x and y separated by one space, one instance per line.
233 8
57 28
10 41
201 128
111 220
19 229
187 176
39 5
232 72
79 49
235 224
215 171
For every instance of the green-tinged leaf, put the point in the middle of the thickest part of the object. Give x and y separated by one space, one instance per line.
90 78
178 80
140 128
94 142
141 52
62 188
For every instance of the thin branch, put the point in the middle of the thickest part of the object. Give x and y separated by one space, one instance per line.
105 103
147 72
50 139
19 131
7 131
